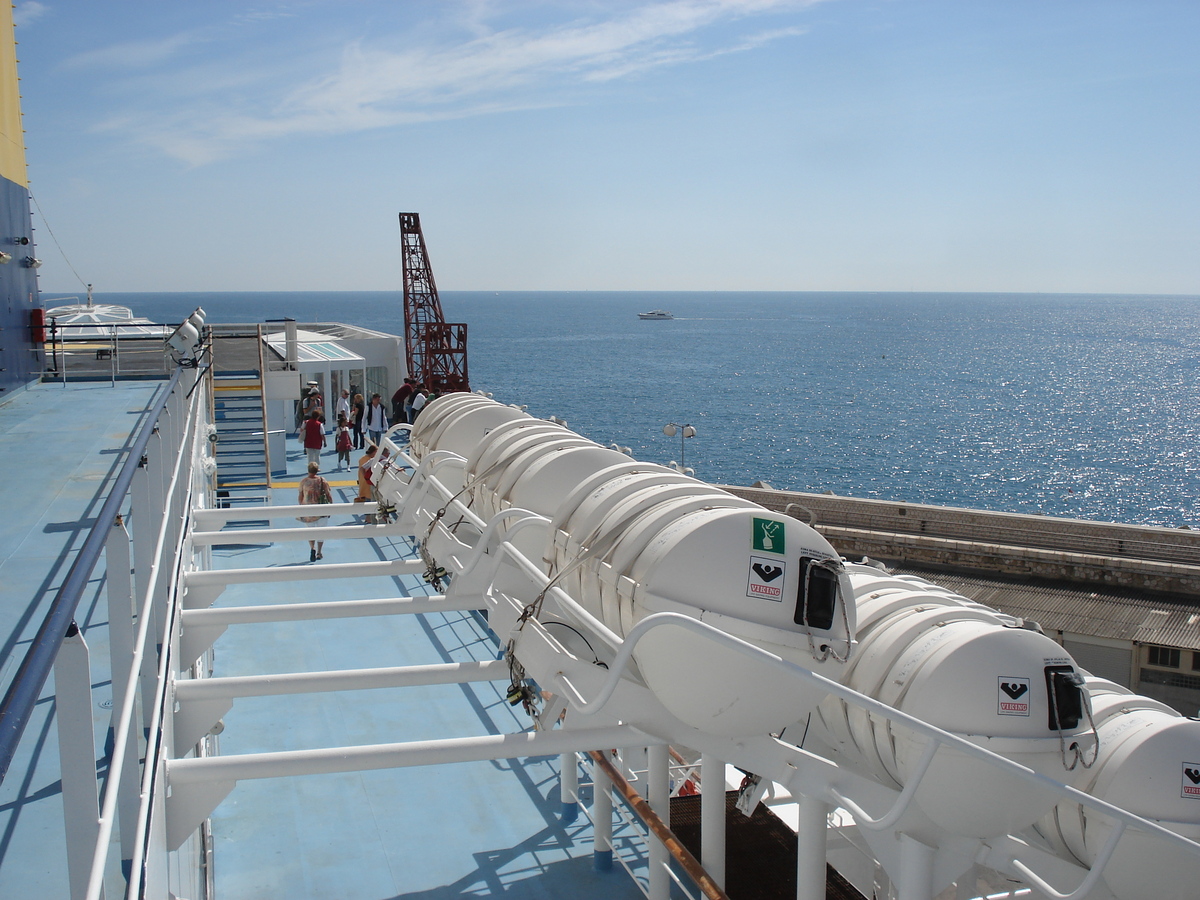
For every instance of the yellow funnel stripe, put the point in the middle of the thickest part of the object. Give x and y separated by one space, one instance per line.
12 138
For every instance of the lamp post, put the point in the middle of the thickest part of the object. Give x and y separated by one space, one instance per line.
684 431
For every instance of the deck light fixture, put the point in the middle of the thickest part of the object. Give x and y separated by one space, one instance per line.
684 431
188 339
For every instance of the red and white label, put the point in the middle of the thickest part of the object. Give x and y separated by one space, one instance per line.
765 579
1191 780
1012 696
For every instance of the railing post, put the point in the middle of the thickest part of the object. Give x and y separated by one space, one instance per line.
146 515
967 885
262 394
175 503
568 787
602 813
659 787
712 817
811 841
158 455
916 869
77 757
121 631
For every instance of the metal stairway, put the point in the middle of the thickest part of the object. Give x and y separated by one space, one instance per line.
242 476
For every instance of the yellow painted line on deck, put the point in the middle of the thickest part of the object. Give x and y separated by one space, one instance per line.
296 484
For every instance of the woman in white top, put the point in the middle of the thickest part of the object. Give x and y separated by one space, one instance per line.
418 401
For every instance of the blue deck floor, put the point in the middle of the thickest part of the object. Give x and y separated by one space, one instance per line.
59 449
466 830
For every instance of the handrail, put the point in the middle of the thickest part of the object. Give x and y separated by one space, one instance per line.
262 393
125 726
585 707
35 668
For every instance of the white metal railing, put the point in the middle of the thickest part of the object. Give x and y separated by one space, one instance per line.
636 831
496 547
152 491
478 565
99 351
150 664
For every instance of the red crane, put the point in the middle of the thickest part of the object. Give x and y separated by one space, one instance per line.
435 350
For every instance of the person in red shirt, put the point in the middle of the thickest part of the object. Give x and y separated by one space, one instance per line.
313 436
400 399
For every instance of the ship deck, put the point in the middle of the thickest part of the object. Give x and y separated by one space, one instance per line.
60 449
471 829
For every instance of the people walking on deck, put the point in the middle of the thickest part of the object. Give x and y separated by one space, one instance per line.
357 420
401 400
343 441
365 480
343 405
314 489
419 399
377 421
313 402
313 437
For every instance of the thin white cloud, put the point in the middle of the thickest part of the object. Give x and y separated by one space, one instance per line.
25 14
134 54
380 83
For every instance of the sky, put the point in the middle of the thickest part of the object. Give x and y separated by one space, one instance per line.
792 145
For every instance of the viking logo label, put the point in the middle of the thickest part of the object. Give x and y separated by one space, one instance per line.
767 573
765 579
1191 780
1013 697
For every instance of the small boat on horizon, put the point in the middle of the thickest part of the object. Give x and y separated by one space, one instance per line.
656 314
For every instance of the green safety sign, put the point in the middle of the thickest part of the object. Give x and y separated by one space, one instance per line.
768 535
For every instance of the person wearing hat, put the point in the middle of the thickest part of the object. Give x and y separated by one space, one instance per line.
312 401
364 474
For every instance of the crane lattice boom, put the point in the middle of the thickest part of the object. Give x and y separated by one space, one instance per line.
435 350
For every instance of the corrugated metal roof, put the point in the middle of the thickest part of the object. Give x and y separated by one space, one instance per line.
1121 615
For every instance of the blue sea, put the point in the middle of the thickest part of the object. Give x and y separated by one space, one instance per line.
1085 406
